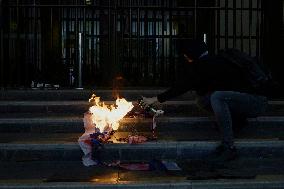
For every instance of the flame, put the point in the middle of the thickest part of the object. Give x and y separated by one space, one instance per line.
106 117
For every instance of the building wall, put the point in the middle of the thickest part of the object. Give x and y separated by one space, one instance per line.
135 39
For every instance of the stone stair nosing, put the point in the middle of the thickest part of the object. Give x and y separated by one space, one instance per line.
243 184
140 152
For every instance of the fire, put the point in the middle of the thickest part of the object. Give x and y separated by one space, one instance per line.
106 117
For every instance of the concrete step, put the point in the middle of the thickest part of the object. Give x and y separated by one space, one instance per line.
131 94
66 95
72 174
201 135
39 149
79 107
194 126
52 150
219 184
173 108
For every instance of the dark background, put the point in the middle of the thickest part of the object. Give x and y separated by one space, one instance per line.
128 42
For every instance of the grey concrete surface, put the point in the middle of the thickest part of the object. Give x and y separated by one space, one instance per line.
72 174
58 150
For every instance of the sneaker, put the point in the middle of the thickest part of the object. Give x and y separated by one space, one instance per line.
224 154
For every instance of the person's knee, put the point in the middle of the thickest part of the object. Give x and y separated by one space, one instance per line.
219 96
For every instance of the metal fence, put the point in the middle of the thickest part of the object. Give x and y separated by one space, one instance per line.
90 42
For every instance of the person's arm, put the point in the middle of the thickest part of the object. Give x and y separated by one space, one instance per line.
187 80
173 92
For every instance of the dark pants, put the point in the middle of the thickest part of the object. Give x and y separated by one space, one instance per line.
227 104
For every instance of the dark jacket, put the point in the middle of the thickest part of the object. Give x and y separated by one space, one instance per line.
206 75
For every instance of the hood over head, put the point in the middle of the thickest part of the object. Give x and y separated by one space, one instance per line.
193 48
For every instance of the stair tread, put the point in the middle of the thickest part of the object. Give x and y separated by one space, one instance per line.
67 117
63 138
269 171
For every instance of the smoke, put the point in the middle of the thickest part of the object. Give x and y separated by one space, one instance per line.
117 85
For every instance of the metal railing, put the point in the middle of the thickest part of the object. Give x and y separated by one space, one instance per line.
134 40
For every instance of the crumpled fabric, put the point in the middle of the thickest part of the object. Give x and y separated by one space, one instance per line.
85 140
91 137
136 139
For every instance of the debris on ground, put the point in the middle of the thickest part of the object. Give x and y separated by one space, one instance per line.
136 139
40 85
171 165
135 166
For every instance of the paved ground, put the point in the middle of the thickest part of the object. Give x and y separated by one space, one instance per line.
74 171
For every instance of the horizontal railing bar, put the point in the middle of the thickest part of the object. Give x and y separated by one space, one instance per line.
131 7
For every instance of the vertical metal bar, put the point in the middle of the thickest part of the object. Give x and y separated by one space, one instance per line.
262 30
39 47
2 59
67 37
98 44
218 25
234 24
195 18
76 48
250 24
115 32
122 23
149 53
25 44
30 37
205 38
153 41
51 25
84 36
62 41
110 45
242 30
109 42
34 63
80 62
17 77
172 65
257 29
130 53
139 43
93 37
10 44
2 46
226 24
162 59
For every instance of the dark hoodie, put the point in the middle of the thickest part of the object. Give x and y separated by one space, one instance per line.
206 74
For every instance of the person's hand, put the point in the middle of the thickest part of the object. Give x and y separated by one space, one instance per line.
149 101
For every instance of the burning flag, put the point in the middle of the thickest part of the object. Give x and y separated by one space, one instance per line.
107 117
99 122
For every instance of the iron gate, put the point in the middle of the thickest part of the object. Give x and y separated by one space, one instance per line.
93 42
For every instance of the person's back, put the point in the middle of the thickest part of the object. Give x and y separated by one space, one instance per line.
214 73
